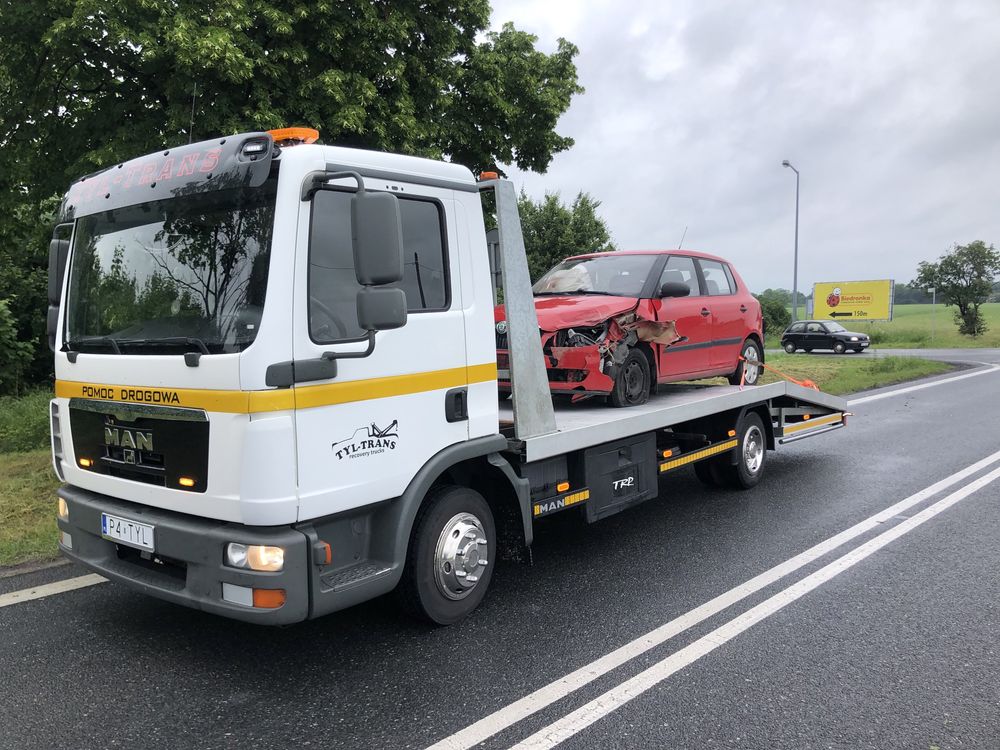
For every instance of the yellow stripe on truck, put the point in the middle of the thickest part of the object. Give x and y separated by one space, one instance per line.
809 423
301 397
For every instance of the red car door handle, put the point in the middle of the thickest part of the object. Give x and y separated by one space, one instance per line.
743 308
705 311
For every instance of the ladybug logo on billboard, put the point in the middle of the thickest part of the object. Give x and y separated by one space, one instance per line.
833 299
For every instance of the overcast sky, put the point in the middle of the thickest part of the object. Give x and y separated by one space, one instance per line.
890 111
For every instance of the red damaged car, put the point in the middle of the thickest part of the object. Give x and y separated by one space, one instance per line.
617 324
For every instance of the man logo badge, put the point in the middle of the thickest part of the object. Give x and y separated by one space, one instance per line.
502 327
124 438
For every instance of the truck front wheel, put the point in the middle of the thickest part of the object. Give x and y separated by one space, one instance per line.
451 556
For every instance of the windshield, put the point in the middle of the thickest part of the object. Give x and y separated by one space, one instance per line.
834 327
616 274
184 273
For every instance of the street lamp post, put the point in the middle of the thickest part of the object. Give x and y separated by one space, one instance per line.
795 267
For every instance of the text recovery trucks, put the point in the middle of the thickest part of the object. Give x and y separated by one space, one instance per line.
276 386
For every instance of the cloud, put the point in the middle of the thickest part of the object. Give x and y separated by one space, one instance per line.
890 111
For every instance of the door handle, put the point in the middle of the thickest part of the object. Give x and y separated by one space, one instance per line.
743 308
706 312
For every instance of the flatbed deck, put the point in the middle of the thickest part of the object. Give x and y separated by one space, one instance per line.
593 422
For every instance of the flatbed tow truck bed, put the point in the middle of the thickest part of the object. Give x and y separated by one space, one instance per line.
796 411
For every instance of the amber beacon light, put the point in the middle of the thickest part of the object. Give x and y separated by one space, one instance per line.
292 136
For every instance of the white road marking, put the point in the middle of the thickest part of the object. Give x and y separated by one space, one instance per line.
49 589
554 691
615 698
920 386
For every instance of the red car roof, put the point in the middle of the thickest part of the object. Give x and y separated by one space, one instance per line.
677 251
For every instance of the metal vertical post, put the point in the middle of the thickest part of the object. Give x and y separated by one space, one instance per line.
795 266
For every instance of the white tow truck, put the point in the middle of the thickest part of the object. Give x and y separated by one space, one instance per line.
276 386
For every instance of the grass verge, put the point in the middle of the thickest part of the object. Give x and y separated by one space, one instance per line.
848 374
27 507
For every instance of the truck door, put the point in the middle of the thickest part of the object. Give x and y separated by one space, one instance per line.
364 432
690 356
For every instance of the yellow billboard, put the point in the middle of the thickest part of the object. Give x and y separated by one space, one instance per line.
853 300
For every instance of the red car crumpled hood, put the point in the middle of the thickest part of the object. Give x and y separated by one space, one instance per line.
565 311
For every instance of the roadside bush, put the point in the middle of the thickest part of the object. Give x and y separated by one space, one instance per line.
24 422
776 316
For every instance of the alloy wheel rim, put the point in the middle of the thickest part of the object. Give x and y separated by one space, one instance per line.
753 449
460 556
751 365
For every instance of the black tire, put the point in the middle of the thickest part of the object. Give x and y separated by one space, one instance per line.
808 351
839 347
632 381
708 472
857 350
749 467
790 347
750 351
420 591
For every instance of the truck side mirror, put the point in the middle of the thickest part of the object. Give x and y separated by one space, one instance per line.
58 254
377 234
674 289
380 309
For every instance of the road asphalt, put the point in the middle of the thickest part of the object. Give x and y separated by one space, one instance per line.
900 650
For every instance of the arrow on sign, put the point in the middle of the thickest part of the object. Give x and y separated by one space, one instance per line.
841 315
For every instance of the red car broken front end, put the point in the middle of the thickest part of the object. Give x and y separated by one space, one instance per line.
590 341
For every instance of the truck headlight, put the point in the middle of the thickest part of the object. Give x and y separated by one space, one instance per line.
854 338
255 557
63 510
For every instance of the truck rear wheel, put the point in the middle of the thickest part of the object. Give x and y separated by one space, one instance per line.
451 556
708 472
751 454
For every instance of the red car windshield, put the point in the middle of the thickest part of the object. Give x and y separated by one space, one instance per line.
615 274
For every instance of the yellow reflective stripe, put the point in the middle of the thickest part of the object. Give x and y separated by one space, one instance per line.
310 396
813 423
692 457
232 402
303 397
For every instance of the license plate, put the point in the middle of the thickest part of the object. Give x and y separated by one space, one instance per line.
132 533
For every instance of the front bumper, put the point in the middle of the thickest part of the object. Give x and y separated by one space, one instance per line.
190 552
569 370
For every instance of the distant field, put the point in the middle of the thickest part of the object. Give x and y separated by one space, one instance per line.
925 327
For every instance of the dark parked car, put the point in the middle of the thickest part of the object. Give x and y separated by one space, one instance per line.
822 334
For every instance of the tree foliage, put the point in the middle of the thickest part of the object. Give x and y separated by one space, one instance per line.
963 277
774 306
14 354
553 231
90 83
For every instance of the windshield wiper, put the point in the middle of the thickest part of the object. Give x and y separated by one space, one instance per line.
185 340
573 291
77 343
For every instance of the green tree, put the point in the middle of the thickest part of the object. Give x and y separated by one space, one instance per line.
14 354
775 309
779 295
89 83
964 278
553 231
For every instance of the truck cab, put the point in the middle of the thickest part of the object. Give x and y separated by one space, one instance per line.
212 368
